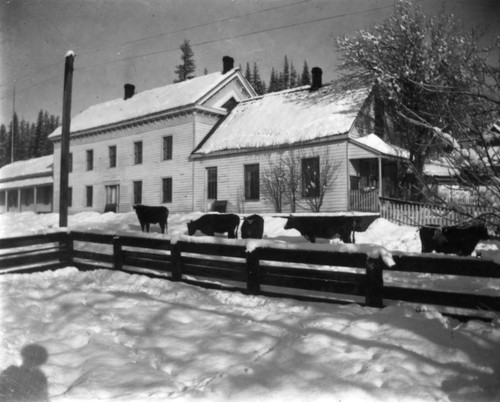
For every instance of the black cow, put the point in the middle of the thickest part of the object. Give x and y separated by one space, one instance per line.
461 240
325 227
252 227
147 215
216 223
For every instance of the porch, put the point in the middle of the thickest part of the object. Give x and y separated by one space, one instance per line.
374 168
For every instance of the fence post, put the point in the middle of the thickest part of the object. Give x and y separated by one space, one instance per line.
117 254
67 249
374 282
175 255
253 283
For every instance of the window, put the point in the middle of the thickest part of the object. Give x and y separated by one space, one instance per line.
70 162
252 182
27 196
137 192
310 177
166 186
70 196
212 183
90 159
138 152
89 190
2 198
44 195
112 156
167 148
12 198
230 104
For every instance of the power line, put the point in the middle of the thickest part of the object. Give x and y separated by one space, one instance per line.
196 26
210 41
239 36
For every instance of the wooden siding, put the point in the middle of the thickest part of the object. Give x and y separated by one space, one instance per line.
230 171
150 172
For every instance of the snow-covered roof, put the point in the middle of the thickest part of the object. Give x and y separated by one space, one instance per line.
441 168
146 103
375 143
287 117
32 167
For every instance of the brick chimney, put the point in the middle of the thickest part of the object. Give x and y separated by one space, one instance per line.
227 64
317 76
129 91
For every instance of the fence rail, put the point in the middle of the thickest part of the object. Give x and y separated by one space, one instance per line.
308 273
419 214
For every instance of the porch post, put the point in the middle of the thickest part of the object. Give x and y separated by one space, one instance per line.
380 176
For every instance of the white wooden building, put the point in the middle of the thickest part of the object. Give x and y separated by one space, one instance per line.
315 123
135 150
27 185
211 138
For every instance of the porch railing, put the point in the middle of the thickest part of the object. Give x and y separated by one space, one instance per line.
364 200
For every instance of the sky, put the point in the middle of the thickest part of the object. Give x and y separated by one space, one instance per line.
137 41
113 336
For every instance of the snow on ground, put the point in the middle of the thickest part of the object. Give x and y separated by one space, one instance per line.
113 336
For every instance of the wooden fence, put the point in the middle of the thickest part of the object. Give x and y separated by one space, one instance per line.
419 214
312 273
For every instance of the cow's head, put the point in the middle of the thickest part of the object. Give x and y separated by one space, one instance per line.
191 228
290 223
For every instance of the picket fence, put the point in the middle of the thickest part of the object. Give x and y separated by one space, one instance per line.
312 273
420 214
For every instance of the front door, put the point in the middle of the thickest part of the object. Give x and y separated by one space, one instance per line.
112 198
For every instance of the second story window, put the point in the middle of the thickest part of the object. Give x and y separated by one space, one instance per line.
70 162
138 152
112 156
167 148
90 159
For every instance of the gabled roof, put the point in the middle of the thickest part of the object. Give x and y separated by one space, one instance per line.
146 103
29 168
287 117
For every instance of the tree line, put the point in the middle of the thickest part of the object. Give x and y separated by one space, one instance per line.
285 77
30 138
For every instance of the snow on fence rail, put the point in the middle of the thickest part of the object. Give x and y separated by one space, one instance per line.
419 214
313 272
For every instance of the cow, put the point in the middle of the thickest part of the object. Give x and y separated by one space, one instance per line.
148 214
252 227
323 226
215 223
460 240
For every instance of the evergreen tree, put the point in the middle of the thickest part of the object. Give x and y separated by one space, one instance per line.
38 137
185 71
4 154
293 76
285 76
273 82
248 75
305 78
258 84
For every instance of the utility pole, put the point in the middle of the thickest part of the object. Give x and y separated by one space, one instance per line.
65 134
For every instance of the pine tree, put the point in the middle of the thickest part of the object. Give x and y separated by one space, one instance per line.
4 155
38 137
273 82
293 76
305 78
248 75
285 76
185 71
258 84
